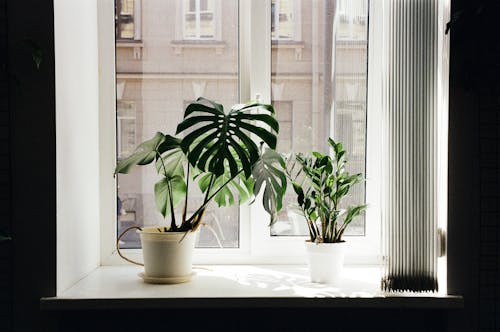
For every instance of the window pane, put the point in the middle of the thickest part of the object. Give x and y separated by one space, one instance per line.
321 91
124 19
199 19
189 18
125 124
282 24
153 90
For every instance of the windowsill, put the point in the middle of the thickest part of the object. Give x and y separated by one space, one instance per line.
129 43
179 45
239 286
135 45
297 46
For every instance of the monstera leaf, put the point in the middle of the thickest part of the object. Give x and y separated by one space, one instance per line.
268 172
171 163
226 135
227 189
143 154
169 193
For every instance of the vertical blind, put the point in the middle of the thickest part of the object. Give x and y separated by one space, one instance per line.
410 161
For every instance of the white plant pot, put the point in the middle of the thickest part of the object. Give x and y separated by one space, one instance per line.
165 255
325 261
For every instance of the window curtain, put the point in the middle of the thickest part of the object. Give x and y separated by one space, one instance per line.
412 122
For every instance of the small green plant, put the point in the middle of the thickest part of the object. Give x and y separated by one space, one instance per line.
321 182
218 153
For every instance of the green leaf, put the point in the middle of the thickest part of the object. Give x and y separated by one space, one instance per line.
227 136
171 163
232 189
300 193
353 212
169 143
204 182
317 154
174 186
307 203
332 143
4 238
144 154
267 172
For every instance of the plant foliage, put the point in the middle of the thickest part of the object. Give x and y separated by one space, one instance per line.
320 183
219 152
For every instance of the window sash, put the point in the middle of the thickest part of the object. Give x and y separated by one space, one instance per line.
198 12
256 244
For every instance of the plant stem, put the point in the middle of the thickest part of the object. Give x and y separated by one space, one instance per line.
184 211
207 200
173 224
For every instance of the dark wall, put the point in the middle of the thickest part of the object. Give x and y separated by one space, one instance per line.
31 143
474 232
27 177
5 197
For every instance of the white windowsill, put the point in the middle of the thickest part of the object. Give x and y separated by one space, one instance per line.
179 45
241 286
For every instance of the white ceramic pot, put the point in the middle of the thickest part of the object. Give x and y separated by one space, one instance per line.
325 261
165 255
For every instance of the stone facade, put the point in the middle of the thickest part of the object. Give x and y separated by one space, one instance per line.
162 68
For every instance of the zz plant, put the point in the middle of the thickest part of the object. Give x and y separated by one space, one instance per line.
219 154
321 183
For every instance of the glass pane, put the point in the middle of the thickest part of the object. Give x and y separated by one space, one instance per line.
199 19
153 91
282 25
125 125
207 23
125 19
321 91
189 18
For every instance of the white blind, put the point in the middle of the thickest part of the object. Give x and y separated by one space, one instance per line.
411 145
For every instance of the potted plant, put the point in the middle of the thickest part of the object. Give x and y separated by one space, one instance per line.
321 183
218 153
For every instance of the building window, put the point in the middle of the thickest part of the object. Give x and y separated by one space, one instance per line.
282 20
159 100
125 128
125 25
199 19
352 19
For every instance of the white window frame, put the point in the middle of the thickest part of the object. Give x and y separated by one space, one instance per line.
256 244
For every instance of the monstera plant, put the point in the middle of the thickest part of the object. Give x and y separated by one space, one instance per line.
219 152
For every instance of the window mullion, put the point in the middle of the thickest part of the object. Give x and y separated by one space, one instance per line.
260 86
260 50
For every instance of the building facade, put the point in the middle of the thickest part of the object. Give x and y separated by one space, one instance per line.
168 53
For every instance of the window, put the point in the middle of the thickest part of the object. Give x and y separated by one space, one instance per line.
125 19
352 19
125 128
328 100
153 93
199 19
282 20
319 95
156 89
128 20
